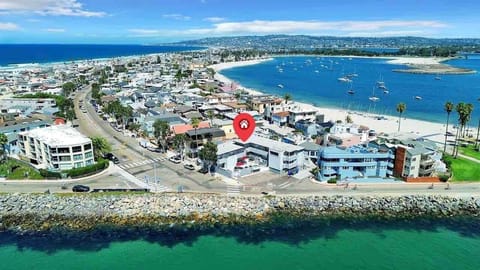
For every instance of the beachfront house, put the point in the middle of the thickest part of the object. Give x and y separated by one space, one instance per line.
354 162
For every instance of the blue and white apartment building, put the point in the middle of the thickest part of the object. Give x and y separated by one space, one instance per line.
354 162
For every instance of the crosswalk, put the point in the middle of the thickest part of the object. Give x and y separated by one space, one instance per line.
285 185
131 165
233 190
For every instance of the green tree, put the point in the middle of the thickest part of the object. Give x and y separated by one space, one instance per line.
195 123
464 111
3 143
161 130
179 141
68 88
210 116
287 97
100 146
208 154
348 119
401 107
448 107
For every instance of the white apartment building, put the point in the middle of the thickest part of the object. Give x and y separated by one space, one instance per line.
277 156
56 148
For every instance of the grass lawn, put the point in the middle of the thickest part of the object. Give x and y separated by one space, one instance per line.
464 169
470 151
12 169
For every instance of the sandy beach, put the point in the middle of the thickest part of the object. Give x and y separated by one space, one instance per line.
389 124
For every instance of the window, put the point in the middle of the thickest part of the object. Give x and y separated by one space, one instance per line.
76 149
63 150
65 158
78 157
88 154
87 147
274 153
78 164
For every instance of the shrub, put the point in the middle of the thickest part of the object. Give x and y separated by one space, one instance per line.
332 181
50 174
76 172
444 177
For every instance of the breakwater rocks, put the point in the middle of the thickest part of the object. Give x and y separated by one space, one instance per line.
27 213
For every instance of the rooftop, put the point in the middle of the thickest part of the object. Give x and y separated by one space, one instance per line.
60 135
271 144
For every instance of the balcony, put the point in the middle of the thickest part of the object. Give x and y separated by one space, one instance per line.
426 162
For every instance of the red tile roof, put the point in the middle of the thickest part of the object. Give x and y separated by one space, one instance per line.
181 129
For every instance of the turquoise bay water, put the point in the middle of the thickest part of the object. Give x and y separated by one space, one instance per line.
347 249
315 80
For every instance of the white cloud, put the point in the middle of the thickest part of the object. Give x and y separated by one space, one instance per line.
214 19
8 27
179 17
312 27
145 32
49 7
55 30
340 28
390 33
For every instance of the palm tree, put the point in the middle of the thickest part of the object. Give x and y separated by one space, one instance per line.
161 130
448 108
195 122
287 97
401 107
478 131
464 112
210 116
100 146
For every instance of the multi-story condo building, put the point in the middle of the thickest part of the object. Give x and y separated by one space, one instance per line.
277 156
56 148
354 162
414 158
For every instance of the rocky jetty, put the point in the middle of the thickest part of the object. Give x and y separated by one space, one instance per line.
24 213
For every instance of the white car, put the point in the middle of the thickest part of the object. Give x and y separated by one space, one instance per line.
175 160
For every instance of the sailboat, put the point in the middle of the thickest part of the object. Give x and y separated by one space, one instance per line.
351 91
373 97
438 78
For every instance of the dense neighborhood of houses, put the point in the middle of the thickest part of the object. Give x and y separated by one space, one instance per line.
175 103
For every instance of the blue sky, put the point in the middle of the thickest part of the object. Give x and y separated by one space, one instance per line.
149 21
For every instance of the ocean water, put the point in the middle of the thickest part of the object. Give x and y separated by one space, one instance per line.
315 80
369 248
46 53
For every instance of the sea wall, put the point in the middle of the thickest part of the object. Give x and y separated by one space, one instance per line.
22 213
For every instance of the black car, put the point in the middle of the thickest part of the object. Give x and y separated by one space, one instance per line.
203 170
112 158
80 188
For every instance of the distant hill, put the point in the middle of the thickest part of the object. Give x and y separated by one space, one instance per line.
272 42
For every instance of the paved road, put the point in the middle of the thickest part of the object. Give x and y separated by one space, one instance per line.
137 161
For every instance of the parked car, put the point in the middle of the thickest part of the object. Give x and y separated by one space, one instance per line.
175 159
153 149
189 167
112 158
80 188
203 170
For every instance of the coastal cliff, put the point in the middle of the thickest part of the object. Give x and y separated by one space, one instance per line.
27 213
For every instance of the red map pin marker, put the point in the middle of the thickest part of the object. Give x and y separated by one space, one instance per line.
244 125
